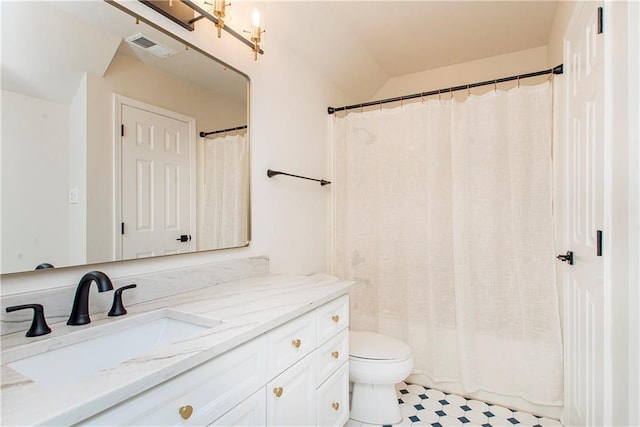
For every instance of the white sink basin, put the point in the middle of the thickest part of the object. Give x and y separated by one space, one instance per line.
106 346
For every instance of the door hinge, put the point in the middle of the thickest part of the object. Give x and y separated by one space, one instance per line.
600 20
121 130
122 228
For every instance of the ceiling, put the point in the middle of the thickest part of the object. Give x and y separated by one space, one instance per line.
359 45
48 46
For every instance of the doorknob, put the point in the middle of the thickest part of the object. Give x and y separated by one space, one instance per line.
568 257
184 238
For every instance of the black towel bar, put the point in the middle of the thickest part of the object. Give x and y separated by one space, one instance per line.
272 173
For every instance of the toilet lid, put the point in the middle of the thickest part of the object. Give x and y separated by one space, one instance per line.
370 345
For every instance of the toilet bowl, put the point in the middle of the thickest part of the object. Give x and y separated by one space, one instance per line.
376 364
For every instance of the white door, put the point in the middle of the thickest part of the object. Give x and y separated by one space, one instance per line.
584 141
156 184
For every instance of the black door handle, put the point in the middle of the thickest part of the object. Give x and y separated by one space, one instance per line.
568 257
184 238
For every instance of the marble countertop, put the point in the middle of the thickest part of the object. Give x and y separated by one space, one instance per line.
248 308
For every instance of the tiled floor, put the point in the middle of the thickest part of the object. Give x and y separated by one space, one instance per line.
423 406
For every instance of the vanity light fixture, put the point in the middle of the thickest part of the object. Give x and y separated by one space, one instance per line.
175 10
219 7
256 33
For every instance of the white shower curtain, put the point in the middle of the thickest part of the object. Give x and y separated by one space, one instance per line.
444 220
222 216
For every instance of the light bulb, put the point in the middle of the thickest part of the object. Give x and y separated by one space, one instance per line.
255 18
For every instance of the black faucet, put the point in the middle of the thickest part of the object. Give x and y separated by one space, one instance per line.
80 309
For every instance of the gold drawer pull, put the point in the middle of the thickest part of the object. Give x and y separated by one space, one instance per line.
335 318
296 343
335 405
335 354
186 411
278 391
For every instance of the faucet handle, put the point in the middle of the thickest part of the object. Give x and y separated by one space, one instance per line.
39 324
117 309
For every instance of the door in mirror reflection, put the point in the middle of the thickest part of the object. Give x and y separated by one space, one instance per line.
156 158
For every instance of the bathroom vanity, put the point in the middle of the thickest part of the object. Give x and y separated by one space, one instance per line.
268 350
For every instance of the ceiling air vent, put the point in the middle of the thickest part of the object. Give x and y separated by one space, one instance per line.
150 46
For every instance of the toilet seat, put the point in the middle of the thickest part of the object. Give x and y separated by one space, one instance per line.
374 346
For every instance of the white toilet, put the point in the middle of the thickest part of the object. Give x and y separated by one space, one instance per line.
376 364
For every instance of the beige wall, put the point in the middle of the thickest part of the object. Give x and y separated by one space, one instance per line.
555 44
514 63
519 62
132 79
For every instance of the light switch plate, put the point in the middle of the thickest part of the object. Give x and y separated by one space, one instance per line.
74 196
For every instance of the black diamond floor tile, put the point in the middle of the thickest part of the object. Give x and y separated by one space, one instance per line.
431 411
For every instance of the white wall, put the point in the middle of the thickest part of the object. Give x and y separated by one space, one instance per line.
78 174
34 151
288 132
634 216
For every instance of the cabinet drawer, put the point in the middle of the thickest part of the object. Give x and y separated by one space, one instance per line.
251 412
333 399
290 342
210 390
332 318
332 355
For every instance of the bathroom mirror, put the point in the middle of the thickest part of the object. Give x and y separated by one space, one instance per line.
102 158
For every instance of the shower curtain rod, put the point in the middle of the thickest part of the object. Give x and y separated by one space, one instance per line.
555 70
203 134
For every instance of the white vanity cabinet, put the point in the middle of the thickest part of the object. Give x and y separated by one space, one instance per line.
198 396
291 395
251 412
332 355
313 390
333 399
295 374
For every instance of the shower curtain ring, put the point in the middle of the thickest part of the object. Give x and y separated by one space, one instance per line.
468 90
380 105
495 86
439 96
451 93
518 82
